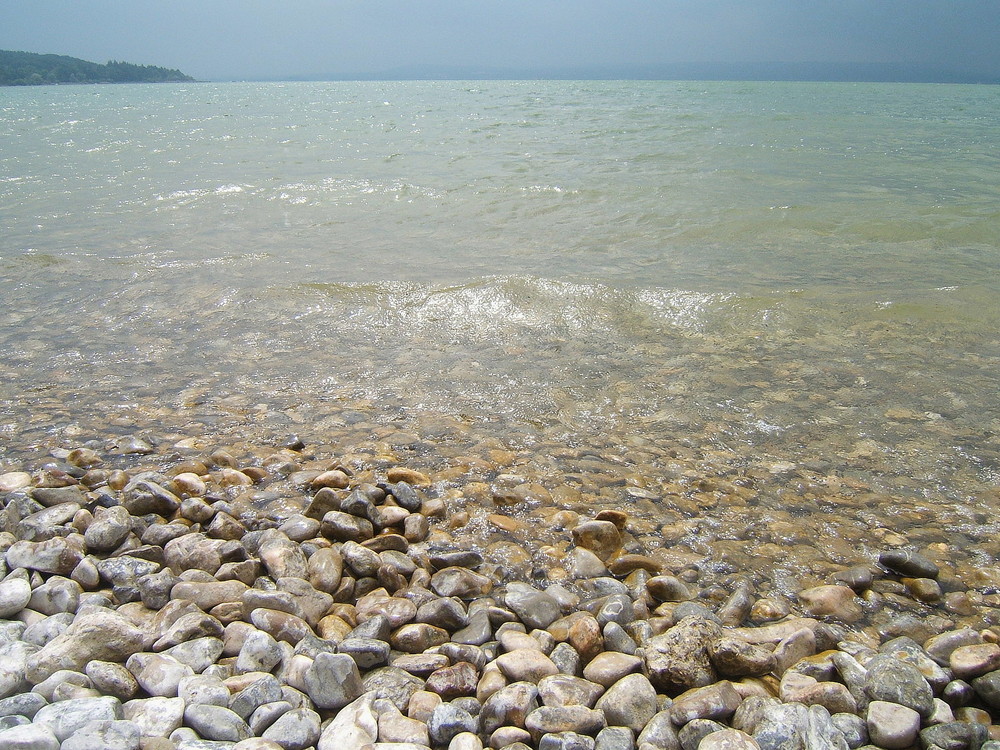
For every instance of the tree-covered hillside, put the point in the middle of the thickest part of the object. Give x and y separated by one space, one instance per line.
28 69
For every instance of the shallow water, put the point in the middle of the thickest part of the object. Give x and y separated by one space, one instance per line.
767 311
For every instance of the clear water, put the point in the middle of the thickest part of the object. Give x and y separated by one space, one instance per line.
795 285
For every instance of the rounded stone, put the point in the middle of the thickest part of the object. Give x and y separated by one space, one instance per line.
728 739
15 593
295 730
66 717
603 538
333 681
609 667
895 681
526 665
630 702
891 725
535 608
833 602
908 563
216 723
968 662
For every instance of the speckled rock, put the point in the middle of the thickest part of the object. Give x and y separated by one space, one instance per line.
678 659
895 681
630 702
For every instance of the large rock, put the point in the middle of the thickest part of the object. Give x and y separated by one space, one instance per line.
29 737
891 725
155 717
333 681
895 681
58 555
98 634
679 659
630 702
354 726
143 496
65 717
535 608
602 538
105 734
15 593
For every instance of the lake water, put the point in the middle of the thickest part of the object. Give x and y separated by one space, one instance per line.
760 316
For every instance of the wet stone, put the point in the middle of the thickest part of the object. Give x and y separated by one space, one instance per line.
782 726
535 608
453 681
567 690
668 589
603 538
460 582
908 563
895 681
609 667
417 637
968 662
509 706
733 657
526 665
987 687
718 701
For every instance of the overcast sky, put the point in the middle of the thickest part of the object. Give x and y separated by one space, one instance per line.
268 39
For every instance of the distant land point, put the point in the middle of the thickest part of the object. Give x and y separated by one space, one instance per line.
32 69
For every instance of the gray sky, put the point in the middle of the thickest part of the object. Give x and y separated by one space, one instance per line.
254 39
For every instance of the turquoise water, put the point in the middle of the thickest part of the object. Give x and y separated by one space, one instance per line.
795 281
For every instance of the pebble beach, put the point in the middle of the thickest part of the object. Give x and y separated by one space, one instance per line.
160 595
555 416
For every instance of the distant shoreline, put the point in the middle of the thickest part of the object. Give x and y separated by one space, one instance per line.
33 69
